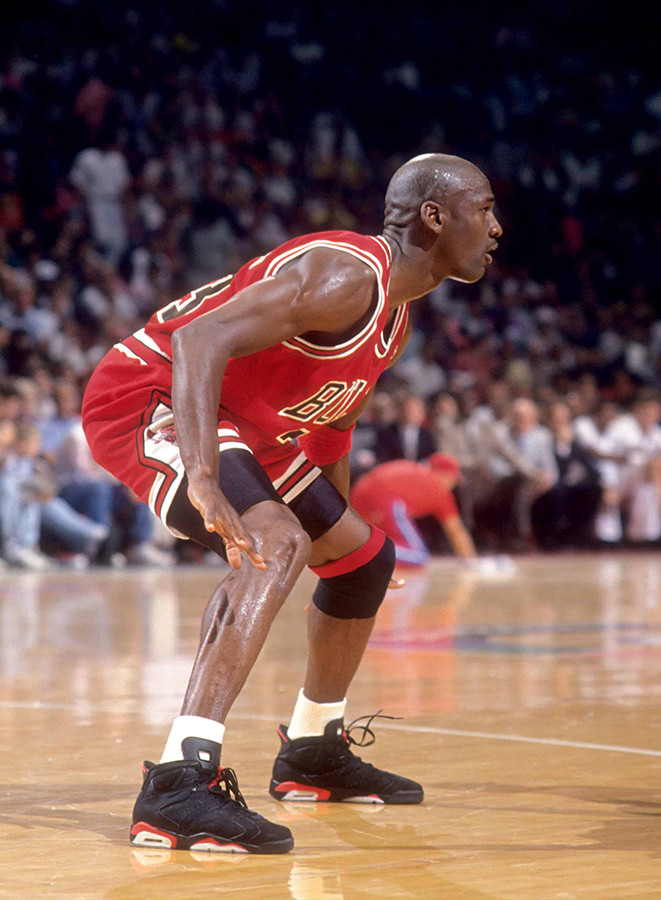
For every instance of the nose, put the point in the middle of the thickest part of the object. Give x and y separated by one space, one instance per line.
495 229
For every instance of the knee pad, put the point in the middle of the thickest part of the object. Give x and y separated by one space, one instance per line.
354 586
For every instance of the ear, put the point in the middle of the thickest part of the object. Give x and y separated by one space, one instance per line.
432 216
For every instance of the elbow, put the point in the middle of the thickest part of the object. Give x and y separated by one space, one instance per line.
189 342
181 339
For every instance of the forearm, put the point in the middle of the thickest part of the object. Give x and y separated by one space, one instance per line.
197 376
459 538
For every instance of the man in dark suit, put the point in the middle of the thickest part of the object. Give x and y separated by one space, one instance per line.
407 438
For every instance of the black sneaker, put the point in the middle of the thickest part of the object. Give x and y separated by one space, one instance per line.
193 804
325 769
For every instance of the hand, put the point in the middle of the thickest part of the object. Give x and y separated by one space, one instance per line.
221 517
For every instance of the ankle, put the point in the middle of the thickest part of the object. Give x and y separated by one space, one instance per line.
310 719
194 737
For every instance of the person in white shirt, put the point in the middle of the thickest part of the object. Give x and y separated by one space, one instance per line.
102 176
599 434
639 433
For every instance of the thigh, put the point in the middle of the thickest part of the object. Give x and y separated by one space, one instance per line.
349 533
244 483
319 507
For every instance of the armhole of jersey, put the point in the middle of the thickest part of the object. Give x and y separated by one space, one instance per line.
396 332
308 348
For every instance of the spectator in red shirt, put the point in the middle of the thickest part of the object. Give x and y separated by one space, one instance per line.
396 493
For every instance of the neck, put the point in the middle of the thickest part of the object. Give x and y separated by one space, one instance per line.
413 272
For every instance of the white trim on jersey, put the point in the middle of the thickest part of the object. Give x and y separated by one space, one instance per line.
382 348
238 444
299 463
131 355
167 453
143 338
301 485
347 347
386 246
300 460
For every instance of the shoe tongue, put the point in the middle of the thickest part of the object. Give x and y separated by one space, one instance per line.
204 751
334 729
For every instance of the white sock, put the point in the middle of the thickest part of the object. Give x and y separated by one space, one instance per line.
190 726
309 719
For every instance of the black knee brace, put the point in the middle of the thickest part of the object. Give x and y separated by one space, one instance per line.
354 586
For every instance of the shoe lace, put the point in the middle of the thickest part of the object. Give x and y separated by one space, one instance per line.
227 784
368 737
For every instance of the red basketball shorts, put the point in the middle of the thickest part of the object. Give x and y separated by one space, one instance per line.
129 426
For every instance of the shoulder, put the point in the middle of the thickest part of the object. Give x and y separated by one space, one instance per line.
368 250
332 287
323 261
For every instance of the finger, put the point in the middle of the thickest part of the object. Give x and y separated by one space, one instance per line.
245 543
396 583
233 552
247 546
238 541
233 555
256 559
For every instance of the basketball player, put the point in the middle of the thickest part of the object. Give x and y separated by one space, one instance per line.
231 412
395 493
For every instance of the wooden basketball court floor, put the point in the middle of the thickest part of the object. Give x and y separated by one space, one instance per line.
530 712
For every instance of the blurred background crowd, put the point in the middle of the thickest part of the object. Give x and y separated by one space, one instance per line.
146 150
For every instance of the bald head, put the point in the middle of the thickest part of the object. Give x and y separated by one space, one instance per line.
433 176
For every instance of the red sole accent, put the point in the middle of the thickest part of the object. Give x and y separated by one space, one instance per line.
144 826
208 844
285 786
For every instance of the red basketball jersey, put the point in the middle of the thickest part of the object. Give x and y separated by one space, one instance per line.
278 394
268 399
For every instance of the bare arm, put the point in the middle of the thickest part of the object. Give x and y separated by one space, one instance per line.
459 538
324 291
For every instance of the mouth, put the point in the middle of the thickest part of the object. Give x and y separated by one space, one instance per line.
488 256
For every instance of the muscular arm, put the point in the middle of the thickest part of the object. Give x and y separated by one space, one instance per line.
324 291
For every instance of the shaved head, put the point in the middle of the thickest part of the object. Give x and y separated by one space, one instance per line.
433 176
440 214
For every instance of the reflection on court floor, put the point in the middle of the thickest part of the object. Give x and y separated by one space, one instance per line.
530 712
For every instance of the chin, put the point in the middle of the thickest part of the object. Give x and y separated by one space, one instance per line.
465 278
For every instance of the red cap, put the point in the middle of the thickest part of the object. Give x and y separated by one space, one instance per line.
443 462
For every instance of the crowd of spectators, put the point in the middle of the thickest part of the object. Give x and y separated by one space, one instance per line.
144 151
569 471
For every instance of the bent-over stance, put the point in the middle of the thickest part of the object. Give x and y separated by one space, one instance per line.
394 494
231 412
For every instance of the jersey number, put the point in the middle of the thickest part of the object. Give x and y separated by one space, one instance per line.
193 301
329 403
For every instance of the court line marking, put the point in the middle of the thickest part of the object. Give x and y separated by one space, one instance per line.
490 735
523 739
416 729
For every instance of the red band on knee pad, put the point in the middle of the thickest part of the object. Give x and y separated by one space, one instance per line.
355 559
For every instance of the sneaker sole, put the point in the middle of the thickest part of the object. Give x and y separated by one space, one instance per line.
145 835
295 792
